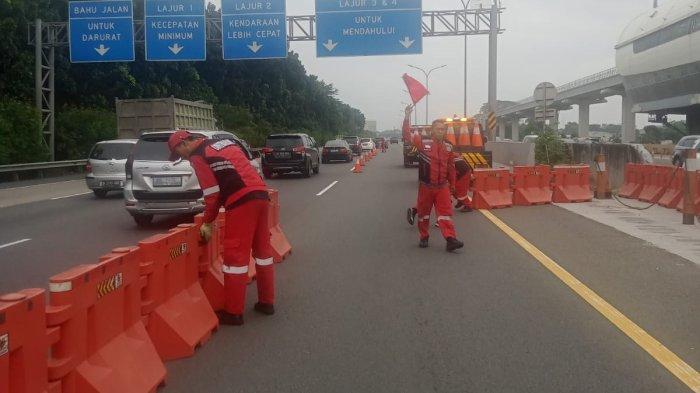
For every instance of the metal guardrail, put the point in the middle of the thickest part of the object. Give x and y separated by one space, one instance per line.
35 166
609 73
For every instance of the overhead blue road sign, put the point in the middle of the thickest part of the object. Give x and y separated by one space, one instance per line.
253 29
176 30
101 31
368 27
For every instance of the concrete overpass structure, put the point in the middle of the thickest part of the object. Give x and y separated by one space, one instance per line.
584 92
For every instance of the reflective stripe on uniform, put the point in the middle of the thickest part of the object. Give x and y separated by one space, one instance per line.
426 218
444 218
264 262
211 190
235 269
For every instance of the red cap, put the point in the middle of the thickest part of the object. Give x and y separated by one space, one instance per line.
175 139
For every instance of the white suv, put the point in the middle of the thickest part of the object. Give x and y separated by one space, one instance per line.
156 186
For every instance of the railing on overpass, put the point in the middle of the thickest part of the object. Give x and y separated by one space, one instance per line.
609 73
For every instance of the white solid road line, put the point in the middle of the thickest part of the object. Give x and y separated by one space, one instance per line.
327 188
15 243
71 196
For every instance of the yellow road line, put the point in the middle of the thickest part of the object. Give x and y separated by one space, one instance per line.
658 351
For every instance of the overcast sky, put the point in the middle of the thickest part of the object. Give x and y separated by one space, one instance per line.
545 40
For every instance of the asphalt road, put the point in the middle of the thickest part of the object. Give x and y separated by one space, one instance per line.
362 308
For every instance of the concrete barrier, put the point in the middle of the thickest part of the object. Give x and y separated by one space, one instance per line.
512 153
617 155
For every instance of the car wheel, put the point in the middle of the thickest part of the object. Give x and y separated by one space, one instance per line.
100 193
318 168
143 220
675 161
307 170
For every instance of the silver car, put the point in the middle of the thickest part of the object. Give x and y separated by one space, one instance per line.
156 186
688 142
105 170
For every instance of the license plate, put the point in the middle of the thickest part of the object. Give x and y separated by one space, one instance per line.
111 183
283 154
169 181
335 150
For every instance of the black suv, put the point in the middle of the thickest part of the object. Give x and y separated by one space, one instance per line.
285 153
354 142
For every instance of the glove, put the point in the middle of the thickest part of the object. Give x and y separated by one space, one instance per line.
205 231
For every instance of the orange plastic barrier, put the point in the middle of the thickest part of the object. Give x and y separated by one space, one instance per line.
673 196
492 189
24 344
694 192
572 184
532 185
280 245
655 179
101 344
633 183
179 315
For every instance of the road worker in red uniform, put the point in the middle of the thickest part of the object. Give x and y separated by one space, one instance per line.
228 179
436 172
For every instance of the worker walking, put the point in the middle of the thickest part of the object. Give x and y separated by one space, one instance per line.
228 179
437 179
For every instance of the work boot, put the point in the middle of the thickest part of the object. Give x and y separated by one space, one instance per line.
264 308
466 209
459 204
229 319
453 244
423 243
411 215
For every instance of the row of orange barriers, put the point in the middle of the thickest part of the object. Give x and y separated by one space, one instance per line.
110 326
660 184
532 185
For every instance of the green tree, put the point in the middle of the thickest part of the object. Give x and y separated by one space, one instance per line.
78 129
550 149
20 133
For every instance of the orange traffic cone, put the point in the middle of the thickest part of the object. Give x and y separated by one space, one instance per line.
476 136
358 167
450 137
464 137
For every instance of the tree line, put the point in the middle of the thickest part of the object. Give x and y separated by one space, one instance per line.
251 98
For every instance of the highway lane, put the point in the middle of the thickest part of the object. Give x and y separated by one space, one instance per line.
362 308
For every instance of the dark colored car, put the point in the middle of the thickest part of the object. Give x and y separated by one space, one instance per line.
394 140
410 153
355 145
381 142
337 150
285 153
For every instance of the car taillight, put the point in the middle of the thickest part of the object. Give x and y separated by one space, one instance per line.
299 149
128 167
267 150
343 150
325 151
88 168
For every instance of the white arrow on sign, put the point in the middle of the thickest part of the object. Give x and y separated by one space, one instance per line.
407 42
330 45
255 47
176 48
102 50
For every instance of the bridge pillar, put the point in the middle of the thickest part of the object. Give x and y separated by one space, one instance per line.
502 129
629 126
515 130
584 120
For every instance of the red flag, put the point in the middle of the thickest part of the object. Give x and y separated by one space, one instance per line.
415 89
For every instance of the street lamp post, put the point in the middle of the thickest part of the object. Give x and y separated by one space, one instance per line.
466 6
427 84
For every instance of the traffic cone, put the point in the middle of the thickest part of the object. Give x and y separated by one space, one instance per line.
358 167
450 137
361 159
464 137
476 136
